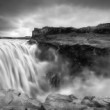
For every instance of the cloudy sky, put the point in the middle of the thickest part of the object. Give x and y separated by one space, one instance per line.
19 17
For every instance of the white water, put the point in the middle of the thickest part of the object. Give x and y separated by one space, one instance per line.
22 70
19 69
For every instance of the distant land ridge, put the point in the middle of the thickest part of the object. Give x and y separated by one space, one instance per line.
99 29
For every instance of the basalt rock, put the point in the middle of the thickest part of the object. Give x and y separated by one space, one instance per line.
45 32
87 47
82 48
92 35
14 100
62 102
79 56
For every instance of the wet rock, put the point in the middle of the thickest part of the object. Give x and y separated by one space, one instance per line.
93 101
13 100
87 49
88 101
62 102
101 102
78 57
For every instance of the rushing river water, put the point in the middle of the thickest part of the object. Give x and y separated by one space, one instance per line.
22 70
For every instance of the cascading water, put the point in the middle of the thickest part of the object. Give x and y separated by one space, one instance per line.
22 69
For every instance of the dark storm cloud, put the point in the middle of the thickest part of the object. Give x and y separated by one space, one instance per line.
6 24
14 7
89 3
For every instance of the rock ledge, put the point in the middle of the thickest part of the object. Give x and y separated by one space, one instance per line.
13 100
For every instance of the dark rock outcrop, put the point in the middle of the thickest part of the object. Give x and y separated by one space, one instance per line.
79 57
71 31
87 47
96 36
102 29
13 100
82 48
62 102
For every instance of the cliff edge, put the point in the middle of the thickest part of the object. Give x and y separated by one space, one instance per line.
91 35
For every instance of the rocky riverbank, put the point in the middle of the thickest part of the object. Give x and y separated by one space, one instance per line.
14 100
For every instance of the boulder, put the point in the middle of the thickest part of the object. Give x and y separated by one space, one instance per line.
14 100
62 102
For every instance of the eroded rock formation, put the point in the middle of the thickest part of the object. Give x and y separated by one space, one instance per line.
87 47
71 31
14 100
82 48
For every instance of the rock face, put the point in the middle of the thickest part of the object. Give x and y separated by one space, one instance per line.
70 31
96 35
13 100
87 47
82 48
61 102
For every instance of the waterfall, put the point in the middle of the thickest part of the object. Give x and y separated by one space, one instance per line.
38 72
20 69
